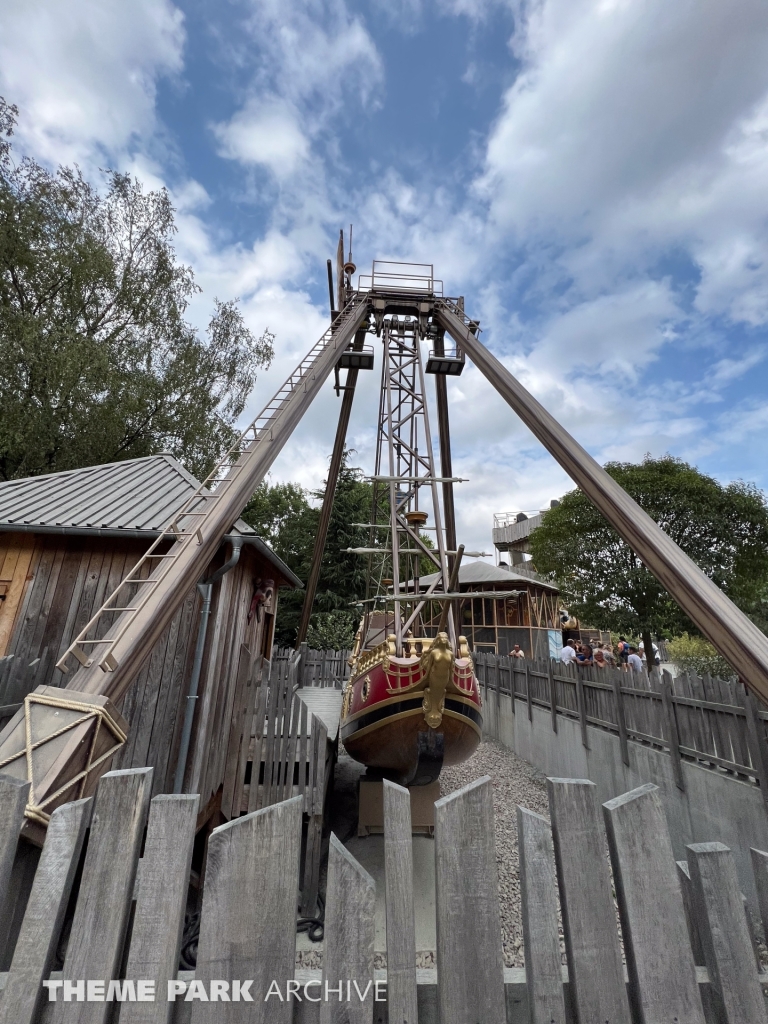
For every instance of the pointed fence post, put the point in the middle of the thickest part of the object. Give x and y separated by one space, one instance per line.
401 933
248 922
44 916
158 921
552 694
14 794
757 746
620 719
469 953
95 947
724 935
660 963
538 894
581 704
348 943
595 969
670 720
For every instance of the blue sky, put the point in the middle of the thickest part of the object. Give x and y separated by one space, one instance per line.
591 174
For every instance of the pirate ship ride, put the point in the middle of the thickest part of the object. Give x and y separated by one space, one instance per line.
412 702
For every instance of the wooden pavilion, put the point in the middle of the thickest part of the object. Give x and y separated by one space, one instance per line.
496 624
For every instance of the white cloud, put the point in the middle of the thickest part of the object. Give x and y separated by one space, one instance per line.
267 132
635 128
84 74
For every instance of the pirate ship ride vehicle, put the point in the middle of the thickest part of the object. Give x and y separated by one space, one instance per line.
408 716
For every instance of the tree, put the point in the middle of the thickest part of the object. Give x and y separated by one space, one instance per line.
283 516
695 654
724 529
97 361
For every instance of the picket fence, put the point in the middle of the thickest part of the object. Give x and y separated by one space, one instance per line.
683 953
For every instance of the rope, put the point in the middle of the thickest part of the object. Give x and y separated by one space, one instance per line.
93 712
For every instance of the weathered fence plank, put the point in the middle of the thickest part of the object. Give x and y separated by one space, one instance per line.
468 922
44 916
162 894
95 945
589 917
248 922
620 719
724 936
348 945
659 959
538 893
14 794
401 935
670 723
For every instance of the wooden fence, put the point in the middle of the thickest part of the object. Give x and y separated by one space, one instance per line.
316 668
283 752
714 722
684 937
17 679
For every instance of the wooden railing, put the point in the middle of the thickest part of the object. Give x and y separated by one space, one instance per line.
714 722
120 906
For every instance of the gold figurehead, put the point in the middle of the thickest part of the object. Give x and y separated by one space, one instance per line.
437 665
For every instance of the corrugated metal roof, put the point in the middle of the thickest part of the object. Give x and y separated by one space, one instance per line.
481 572
137 494
134 497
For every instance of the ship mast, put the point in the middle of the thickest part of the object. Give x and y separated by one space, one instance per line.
405 472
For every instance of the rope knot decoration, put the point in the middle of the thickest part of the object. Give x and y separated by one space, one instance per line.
106 735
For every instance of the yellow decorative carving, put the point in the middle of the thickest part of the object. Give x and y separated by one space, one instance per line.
437 666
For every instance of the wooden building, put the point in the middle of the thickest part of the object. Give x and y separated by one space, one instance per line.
496 624
66 541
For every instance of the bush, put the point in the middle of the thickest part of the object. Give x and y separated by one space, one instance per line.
695 654
331 631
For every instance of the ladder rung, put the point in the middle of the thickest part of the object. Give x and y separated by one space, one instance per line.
130 608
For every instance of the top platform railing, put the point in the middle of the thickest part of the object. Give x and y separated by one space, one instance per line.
401 277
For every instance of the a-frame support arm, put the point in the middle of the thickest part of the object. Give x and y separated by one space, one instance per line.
735 636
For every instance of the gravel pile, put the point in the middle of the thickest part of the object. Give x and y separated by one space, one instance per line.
514 782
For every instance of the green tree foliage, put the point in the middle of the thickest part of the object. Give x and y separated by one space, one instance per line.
695 654
97 361
723 529
283 515
331 631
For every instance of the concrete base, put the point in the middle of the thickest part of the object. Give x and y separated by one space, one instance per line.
369 852
370 818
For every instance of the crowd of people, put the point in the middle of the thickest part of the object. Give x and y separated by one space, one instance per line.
627 655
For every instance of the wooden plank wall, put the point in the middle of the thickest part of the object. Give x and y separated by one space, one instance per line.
56 583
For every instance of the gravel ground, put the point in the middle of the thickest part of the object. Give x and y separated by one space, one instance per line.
514 782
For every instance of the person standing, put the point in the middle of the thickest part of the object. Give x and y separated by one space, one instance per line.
568 653
517 653
623 651
634 661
